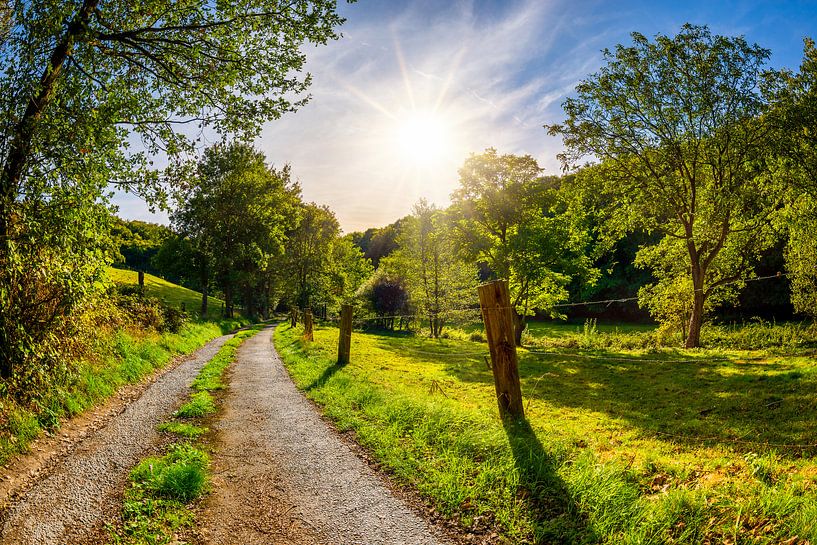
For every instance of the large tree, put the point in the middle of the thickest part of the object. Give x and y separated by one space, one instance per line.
237 216
508 216
675 126
82 82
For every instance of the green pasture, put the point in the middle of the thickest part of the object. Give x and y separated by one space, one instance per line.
172 294
627 446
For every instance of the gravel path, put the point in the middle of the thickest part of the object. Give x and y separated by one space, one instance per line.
71 504
283 476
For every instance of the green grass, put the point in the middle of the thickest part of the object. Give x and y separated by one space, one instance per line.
172 294
183 429
155 503
124 359
210 377
200 404
628 446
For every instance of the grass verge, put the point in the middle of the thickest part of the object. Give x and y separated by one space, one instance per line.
630 447
124 358
158 504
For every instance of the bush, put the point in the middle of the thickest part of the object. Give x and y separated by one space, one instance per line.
148 312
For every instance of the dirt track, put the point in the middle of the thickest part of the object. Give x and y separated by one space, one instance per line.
284 476
71 503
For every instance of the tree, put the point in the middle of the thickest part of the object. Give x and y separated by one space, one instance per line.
82 81
236 217
793 118
507 215
675 125
309 253
440 285
137 243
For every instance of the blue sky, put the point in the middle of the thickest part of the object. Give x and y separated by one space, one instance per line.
412 88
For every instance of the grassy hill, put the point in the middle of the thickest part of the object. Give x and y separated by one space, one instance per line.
170 293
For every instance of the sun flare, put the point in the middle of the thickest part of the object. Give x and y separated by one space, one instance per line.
423 138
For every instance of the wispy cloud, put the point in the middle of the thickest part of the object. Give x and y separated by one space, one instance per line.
485 75
496 70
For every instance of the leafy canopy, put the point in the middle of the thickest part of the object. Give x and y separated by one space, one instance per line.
675 128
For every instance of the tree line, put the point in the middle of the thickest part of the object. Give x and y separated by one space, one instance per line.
688 147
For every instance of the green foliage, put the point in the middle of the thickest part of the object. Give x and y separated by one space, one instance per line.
511 218
210 376
793 118
170 294
236 218
81 82
377 243
385 296
675 125
308 265
154 509
183 429
178 475
122 358
136 243
440 286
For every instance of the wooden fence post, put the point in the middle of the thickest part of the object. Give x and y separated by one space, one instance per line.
497 314
308 335
345 340
293 317
140 275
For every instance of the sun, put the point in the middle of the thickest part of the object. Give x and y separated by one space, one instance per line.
423 138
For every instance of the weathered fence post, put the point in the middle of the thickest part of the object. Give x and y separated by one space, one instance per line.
308 335
345 340
497 315
293 317
141 279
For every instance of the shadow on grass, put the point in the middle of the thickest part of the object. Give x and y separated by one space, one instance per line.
749 406
327 374
543 492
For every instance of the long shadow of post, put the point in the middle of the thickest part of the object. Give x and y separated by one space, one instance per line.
325 376
550 503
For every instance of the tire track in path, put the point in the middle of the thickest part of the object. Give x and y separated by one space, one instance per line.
82 491
283 476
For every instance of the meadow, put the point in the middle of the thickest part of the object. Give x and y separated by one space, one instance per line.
647 445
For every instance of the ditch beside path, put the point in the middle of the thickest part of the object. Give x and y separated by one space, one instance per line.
83 490
282 475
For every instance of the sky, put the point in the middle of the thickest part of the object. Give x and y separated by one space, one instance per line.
413 87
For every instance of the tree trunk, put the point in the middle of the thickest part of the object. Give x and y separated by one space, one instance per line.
693 339
19 151
228 300
518 327
204 302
